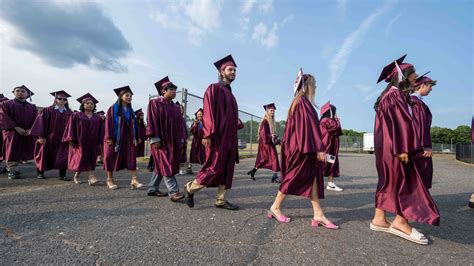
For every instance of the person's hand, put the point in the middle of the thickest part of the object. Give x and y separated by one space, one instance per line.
403 157
206 142
71 144
322 156
41 141
427 153
109 142
20 131
139 141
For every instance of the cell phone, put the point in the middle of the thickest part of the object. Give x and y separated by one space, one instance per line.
330 158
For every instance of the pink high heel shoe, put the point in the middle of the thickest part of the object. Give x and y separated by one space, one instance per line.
330 225
280 218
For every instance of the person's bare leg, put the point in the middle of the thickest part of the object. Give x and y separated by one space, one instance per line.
330 178
318 213
275 208
380 219
402 224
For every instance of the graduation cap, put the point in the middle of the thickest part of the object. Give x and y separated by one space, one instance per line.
326 107
299 82
2 96
424 79
60 93
86 97
139 111
396 67
23 87
269 106
164 83
199 110
101 113
177 103
225 62
121 90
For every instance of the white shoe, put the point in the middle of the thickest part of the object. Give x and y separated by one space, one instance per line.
333 187
181 172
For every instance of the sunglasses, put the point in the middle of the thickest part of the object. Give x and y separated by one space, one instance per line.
62 99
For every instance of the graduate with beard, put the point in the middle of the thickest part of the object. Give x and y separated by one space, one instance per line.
16 118
220 124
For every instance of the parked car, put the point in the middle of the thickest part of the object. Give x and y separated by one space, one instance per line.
241 144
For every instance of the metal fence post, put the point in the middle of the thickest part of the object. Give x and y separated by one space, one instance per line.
184 99
251 133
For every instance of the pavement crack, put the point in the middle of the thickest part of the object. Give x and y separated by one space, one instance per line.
10 233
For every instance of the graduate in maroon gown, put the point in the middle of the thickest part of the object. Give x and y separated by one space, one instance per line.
184 150
2 168
141 131
49 126
16 118
267 156
422 121
471 199
400 189
100 157
331 130
121 138
220 125
84 133
166 133
301 149
198 151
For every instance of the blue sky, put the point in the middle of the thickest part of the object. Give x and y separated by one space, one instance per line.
97 46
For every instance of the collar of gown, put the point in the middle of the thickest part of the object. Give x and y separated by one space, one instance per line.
417 96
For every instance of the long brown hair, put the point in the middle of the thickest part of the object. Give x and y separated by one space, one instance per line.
271 122
309 92
404 86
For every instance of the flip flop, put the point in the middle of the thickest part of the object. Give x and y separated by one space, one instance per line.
377 228
415 236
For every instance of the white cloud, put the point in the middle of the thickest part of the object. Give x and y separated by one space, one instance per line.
260 31
264 6
339 61
247 6
341 7
388 29
267 37
197 18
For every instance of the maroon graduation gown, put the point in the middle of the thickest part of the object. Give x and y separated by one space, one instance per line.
86 134
400 188
300 144
1 135
198 151
330 131
164 121
50 125
267 155
184 148
422 121
142 135
14 113
125 157
220 124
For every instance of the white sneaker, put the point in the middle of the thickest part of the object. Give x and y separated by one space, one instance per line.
333 187
181 172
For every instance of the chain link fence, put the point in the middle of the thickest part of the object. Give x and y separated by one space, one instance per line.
465 152
247 137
